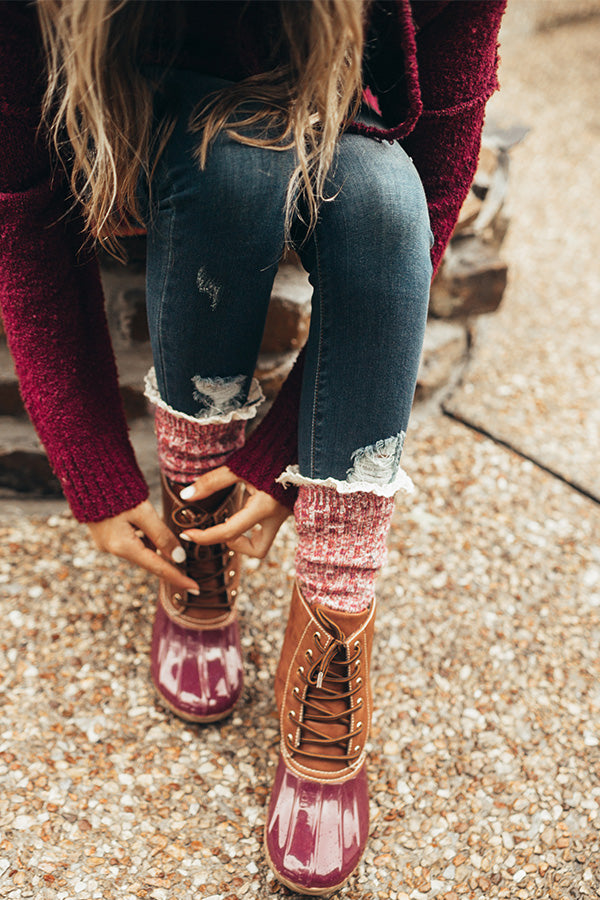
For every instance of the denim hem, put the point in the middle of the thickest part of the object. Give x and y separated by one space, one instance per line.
247 411
401 483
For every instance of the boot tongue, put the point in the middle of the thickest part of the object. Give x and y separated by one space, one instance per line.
205 564
347 622
328 679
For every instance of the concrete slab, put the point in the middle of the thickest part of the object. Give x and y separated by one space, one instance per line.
534 378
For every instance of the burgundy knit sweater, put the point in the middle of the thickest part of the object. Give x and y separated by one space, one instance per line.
433 69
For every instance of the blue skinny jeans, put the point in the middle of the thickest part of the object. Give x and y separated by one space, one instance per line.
214 241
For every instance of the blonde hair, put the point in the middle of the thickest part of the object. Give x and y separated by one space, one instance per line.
98 106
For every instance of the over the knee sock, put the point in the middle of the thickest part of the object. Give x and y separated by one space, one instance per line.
188 448
341 545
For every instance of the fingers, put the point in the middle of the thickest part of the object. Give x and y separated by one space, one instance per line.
258 543
235 526
262 516
147 519
117 535
209 483
137 553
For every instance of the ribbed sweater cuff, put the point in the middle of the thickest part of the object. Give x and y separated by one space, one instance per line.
101 481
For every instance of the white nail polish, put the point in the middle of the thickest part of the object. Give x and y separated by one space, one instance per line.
184 536
178 555
187 493
194 592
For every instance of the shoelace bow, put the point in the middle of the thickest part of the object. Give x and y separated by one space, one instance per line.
206 565
324 686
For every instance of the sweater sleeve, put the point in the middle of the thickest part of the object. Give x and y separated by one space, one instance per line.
51 298
457 55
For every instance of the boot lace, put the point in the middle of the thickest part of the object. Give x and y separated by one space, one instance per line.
328 699
208 566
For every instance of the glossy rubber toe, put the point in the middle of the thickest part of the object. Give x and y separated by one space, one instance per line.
316 831
197 673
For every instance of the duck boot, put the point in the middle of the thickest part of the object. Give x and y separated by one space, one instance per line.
318 817
196 658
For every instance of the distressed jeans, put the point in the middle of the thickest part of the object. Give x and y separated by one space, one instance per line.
214 241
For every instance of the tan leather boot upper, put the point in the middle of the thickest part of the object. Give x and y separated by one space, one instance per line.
323 690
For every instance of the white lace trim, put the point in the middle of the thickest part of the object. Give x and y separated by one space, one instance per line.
248 411
401 482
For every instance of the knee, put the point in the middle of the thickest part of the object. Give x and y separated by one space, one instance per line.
384 202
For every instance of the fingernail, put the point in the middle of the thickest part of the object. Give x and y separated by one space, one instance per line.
194 592
184 536
178 555
187 493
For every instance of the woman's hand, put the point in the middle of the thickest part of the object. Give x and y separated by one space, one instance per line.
261 514
120 535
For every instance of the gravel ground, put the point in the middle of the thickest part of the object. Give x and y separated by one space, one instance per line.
485 757
485 748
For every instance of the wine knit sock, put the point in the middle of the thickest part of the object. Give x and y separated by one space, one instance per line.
187 449
341 545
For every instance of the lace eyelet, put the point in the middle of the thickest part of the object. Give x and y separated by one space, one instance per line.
359 724
178 597
231 553
234 593
309 654
359 702
356 645
296 691
231 573
356 748
301 670
292 714
290 737
359 680
317 635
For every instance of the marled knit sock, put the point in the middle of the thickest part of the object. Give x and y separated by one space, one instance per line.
187 449
341 546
